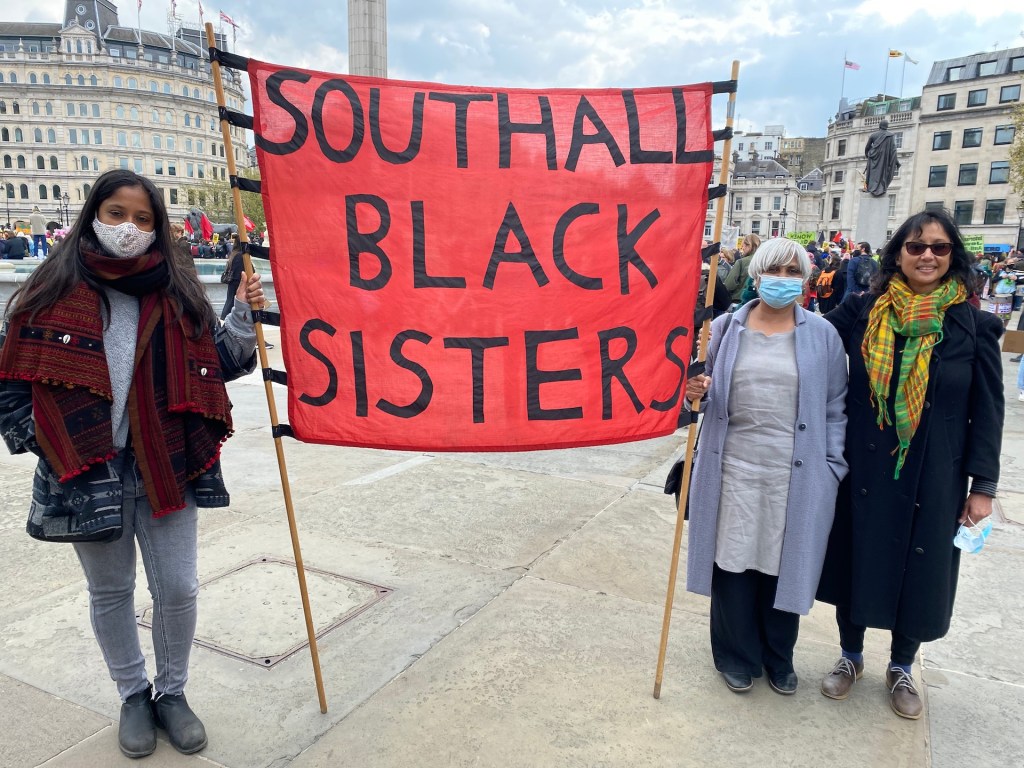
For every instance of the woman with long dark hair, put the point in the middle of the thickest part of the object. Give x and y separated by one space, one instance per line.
925 410
112 371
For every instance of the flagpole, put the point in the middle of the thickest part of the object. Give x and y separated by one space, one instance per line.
886 84
261 346
691 430
903 74
842 87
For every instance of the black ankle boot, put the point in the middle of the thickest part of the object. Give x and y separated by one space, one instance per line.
136 732
184 730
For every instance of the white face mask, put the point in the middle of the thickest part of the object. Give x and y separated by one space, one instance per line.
125 240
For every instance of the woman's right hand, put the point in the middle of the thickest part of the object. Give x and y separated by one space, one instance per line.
697 386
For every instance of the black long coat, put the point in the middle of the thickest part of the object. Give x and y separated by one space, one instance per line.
891 556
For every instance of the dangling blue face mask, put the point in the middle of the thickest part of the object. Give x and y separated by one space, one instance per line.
780 292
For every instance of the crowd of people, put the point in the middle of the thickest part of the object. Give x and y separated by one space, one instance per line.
841 455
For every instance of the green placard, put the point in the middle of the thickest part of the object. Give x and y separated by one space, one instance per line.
974 243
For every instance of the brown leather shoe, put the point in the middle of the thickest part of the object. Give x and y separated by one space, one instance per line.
903 696
837 683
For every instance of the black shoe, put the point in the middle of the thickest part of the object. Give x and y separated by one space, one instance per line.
784 682
267 345
184 730
738 683
1016 358
136 731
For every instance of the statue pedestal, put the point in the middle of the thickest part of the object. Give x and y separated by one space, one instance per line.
872 220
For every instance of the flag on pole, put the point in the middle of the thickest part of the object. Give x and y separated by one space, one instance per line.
249 225
140 5
851 65
223 17
907 57
201 17
894 54
838 236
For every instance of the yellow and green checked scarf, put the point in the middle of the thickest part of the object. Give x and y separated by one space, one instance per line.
918 318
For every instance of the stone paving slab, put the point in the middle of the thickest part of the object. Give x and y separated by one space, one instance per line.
36 725
100 751
552 675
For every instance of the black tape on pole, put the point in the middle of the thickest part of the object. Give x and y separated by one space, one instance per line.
282 430
235 118
711 250
724 86
695 369
244 184
266 317
230 60
722 134
716 192
278 377
258 251
700 314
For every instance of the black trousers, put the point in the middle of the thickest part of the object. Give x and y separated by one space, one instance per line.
747 632
903 649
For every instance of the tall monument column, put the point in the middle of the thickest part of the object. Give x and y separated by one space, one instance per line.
368 38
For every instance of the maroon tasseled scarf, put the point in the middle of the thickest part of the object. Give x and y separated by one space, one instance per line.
178 408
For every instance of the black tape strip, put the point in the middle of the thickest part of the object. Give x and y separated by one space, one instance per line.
722 134
278 377
266 317
700 314
231 60
695 369
259 251
724 86
282 430
716 192
235 118
710 251
246 185
694 417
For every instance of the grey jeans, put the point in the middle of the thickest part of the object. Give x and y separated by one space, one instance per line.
168 545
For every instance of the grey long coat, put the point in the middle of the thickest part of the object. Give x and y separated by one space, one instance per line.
818 463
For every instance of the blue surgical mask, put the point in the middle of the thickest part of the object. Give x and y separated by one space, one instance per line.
971 538
780 292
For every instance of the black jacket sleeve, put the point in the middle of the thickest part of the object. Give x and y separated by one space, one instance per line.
986 399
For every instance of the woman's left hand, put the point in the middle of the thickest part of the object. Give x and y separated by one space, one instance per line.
251 291
977 508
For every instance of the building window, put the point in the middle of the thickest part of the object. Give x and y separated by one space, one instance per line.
776 203
897 139
892 205
841 148
937 176
946 101
172 169
757 203
1004 134
158 167
839 176
1017 64
138 164
157 141
994 211
941 139
963 211
755 227
836 204
977 98
972 137
934 206
72 136
739 204
986 68
97 137
174 196
1009 93
999 173
968 174
955 73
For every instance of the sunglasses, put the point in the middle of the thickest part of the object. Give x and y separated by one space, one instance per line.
939 249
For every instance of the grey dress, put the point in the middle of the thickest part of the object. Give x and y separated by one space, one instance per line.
757 455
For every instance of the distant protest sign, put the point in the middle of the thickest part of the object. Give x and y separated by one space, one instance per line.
974 243
464 268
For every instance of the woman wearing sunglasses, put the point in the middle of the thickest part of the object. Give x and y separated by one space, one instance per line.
925 418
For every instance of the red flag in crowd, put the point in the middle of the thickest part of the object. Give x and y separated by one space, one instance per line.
249 226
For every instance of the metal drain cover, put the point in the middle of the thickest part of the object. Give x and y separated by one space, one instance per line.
254 612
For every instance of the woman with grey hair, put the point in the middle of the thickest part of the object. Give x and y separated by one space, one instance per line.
762 496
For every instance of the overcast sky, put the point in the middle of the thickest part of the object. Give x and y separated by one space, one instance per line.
791 52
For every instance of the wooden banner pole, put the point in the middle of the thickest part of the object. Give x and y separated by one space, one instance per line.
691 431
268 385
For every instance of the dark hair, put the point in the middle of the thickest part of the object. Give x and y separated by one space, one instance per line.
62 271
864 244
960 259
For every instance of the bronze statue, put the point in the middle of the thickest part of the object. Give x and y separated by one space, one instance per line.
882 163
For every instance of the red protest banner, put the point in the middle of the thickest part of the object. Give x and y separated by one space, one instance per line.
463 268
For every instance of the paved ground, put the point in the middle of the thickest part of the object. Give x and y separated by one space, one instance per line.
488 610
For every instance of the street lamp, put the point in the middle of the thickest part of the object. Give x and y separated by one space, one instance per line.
1020 226
785 206
7 200
66 200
